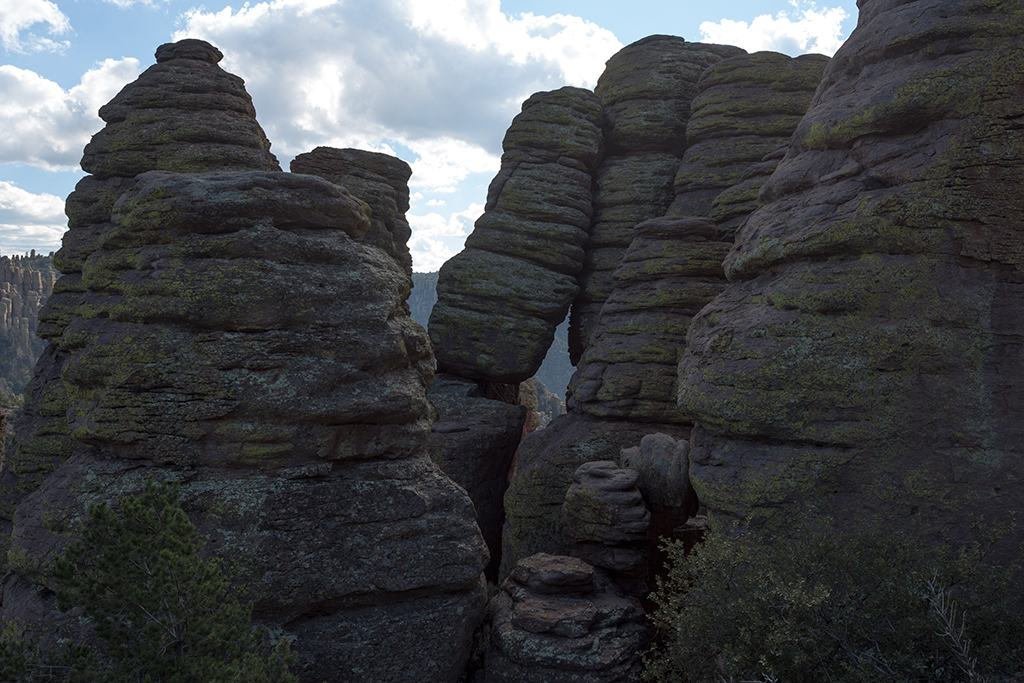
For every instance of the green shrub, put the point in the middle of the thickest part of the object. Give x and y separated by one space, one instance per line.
163 614
813 608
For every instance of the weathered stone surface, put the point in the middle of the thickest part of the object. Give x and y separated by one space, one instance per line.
547 461
500 300
868 358
26 282
560 620
184 113
746 107
673 267
645 93
379 180
663 475
234 332
473 440
605 518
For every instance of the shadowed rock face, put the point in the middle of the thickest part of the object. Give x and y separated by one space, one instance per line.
234 331
868 356
560 620
500 300
183 114
645 94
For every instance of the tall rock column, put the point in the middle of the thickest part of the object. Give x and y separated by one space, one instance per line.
183 114
500 299
645 93
868 357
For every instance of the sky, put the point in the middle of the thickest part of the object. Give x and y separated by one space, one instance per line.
434 82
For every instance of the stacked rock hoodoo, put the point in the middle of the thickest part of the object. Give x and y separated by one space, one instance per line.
381 181
645 93
183 114
560 620
868 358
237 334
501 298
744 114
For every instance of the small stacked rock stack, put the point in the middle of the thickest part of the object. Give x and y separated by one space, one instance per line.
868 360
234 331
26 282
183 114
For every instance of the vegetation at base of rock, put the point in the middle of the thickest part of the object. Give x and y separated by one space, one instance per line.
817 607
163 614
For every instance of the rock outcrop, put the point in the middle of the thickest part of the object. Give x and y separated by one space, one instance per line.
183 114
381 181
605 519
234 331
560 620
474 440
868 358
645 93
26 282
501 298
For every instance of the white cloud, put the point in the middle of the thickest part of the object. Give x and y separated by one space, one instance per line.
435 202
436 238
443 78
43 125
809 29
18 15
29 221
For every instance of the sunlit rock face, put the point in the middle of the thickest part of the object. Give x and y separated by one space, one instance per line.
234 331
500 299
182 114
867 357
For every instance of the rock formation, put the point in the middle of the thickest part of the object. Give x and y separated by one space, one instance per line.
26 282
234 331
474 440
379 180
538 212
560 620
605 519
645 94
868 359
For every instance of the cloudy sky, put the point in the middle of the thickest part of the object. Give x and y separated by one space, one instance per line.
435 82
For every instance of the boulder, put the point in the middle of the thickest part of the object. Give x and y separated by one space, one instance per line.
500 299
605 518
867 359
560 620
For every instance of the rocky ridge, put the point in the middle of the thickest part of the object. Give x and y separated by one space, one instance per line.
26 282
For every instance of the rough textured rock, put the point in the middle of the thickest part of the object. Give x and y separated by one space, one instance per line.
560 620
547 461
663 476
26 282
745 110
234 332
183 114
379 180
645 94
868 358
473 441
673 267
605 519
501 298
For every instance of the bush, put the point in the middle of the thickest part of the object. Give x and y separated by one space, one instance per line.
163 614
812 608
